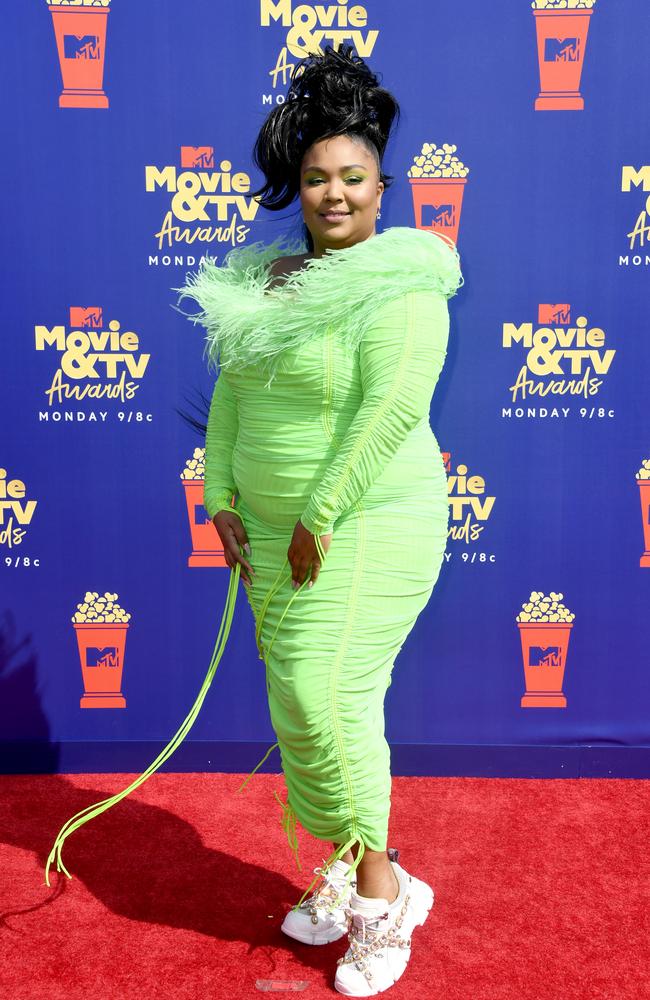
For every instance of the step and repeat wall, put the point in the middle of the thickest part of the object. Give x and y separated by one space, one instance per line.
129 128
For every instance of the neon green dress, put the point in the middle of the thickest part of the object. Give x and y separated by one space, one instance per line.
321 413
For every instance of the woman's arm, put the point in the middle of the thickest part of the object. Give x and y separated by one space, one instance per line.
221 434
401 356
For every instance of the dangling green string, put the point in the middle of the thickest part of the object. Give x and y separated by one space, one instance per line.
99 807
343 848
289 816
260 619
275 586
288 605
334 856
319 548
247 779
288 821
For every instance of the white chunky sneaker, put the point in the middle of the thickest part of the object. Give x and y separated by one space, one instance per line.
322 918
380 936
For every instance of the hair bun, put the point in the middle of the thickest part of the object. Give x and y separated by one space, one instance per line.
331 93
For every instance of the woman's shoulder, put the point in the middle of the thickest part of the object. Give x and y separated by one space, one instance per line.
282 267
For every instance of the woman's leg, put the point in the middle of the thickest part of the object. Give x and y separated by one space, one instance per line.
375 876
328 670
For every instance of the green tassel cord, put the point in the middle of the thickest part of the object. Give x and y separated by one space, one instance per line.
334 856
89 812
288 817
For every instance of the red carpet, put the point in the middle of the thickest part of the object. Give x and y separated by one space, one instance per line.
542 890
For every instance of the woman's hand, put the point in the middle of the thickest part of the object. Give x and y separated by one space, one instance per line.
233 534
303 555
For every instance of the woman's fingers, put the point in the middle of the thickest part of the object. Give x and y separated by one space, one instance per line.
232 532
234 556
303 555
241 536
315 570
303 571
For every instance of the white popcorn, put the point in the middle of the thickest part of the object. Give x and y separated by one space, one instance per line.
79 3
195 466
98 610
540 608
562 4
644 471
437 161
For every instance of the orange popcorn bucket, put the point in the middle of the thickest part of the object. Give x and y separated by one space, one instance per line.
644 496
207 549
437 202
81 43
101 651
544 647
561 44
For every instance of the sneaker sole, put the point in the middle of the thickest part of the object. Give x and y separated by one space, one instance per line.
323 938
425 898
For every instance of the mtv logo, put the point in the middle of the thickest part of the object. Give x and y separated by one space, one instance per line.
106 657
81 46
81 316
446 457
197 156
549 314
545 656
438 215
201 515
562 50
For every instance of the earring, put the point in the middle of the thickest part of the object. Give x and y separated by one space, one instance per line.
378 214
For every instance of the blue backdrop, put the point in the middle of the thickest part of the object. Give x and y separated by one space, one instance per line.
129 130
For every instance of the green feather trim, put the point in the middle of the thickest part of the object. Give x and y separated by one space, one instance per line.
248 326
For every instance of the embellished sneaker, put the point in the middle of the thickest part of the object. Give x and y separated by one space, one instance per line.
322 918
380 936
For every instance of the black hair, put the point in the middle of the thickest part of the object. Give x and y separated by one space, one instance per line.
333 93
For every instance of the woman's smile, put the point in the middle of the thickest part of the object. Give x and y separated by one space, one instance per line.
334 216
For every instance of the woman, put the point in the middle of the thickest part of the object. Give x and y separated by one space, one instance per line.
318 428
319 424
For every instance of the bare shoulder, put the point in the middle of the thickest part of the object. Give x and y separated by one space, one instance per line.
282 267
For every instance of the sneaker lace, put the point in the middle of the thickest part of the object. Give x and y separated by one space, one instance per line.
327 895
366 936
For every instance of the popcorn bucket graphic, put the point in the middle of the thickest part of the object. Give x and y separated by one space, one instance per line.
544 646
207 549
80 33
561 44
101 650
644 496
437 202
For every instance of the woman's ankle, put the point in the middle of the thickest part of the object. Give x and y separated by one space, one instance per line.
371 887
348 857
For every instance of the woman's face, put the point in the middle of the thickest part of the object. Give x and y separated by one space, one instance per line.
340 176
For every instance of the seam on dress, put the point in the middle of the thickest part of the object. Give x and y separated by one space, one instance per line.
387 403
356 583
342 764
326 413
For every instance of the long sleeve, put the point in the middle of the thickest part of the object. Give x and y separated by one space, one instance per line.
401 356
221 434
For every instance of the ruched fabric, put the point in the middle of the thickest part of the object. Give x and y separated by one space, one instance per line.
320 414
340 440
